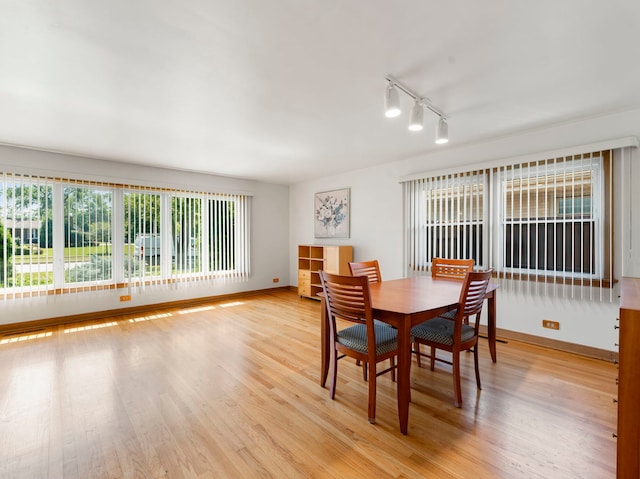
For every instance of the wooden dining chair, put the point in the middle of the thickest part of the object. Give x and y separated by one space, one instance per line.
454 335
447 268
347 298
370 269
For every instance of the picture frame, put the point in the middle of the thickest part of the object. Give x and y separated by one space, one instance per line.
331 213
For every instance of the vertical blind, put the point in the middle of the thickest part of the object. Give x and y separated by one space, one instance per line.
555 226
26 232
545 226
446 218
143 258
88 248
66 236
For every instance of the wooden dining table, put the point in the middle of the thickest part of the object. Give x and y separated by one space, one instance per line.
403 303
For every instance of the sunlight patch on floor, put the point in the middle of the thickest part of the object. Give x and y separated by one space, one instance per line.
196 310
91 326
228 305
150 318
25 337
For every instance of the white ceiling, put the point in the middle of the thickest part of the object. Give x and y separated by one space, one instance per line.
285 90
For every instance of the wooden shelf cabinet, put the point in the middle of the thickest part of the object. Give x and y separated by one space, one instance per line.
628 455
312 259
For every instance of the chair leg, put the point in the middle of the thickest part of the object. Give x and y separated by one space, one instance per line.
334 374
364 371
372 393
392 360
457 390
410 380
416 348
433 357
475 363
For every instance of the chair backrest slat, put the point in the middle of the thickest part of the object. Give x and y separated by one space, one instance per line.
473 292
370 269
450 268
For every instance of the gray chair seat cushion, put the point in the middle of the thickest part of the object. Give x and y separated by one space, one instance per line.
450 314
355 337
381 323
440 330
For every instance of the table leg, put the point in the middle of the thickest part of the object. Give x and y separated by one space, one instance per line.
491 325
324 343
404 372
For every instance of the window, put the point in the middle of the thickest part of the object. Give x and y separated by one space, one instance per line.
447 217
186 229
543 221
26 231
142 240
553 218
87 234
228 231
105 236
222 228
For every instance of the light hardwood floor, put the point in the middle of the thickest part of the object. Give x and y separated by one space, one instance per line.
231 390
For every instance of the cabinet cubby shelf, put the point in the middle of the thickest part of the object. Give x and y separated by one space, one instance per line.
312 259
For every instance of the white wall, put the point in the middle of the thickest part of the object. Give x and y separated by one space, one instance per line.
377 226
269 232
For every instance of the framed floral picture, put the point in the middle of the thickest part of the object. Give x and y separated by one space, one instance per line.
331 214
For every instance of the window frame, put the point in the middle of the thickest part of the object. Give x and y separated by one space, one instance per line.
92 225
67 284
597 207
600 243
441 198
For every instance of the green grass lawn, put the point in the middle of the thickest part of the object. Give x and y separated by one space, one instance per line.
80 254
31 279
76 253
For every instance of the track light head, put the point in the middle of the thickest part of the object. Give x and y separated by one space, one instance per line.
442 132
417 117
391 101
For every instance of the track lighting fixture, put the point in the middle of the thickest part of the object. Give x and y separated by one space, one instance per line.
392 109
391 102
417 117
442 131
